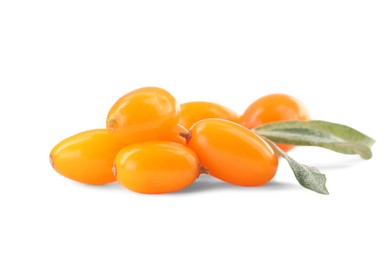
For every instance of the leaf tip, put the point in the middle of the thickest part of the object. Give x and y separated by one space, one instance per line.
324 192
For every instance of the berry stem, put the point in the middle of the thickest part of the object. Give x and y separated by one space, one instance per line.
187 136
204 170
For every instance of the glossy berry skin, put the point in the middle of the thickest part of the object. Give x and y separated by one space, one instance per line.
174 135
87 157
274 108
143 114
232 152
193 112
156 167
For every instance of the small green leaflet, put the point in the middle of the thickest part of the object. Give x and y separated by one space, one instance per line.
336 137
309 177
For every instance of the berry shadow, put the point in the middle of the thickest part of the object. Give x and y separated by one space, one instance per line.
210 184
204 184
110 186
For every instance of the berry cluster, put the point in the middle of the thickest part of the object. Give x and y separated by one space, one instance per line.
152 144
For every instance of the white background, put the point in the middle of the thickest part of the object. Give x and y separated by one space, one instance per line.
64 63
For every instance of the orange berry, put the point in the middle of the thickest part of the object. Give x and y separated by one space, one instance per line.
174 135
274 108
192 112
156 167
87 157
232 152
143 114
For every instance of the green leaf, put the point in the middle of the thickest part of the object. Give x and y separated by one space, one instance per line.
309 177
336 137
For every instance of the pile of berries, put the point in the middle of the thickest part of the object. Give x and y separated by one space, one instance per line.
152 144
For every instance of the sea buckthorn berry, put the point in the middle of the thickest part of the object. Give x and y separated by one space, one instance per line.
174 135
192 112
274 108
156 167
143 114
87 157
232 152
